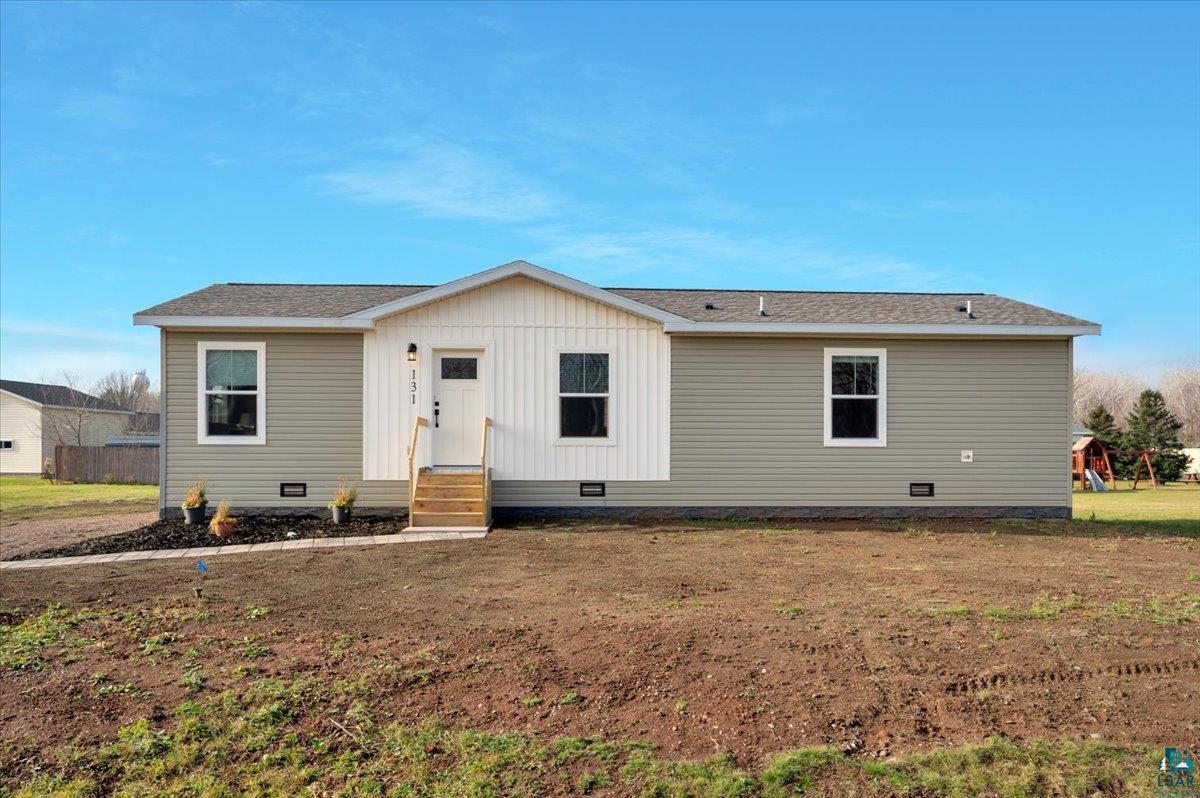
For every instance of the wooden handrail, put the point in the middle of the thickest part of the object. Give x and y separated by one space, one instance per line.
485 473
418 422
487 422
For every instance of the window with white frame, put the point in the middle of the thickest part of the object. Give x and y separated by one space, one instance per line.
232 393
583 395
855 397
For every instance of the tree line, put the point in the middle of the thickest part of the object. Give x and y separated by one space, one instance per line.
1161 421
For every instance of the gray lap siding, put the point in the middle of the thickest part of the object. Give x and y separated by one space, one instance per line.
746 429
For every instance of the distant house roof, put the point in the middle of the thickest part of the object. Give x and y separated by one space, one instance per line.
715 309
59 396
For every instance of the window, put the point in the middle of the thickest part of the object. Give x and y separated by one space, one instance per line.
583 395
855 397
232 393
6 444
460 368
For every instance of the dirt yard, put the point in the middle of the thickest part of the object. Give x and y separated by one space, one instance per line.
24 537
698 639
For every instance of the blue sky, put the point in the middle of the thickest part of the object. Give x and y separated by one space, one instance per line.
1046 152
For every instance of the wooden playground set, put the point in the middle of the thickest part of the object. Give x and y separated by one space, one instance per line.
1090 464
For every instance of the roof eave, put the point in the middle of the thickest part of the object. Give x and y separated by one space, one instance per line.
48 406
240 322
839 328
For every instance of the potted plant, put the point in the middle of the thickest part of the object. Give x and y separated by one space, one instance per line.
195 502
342 502
222 522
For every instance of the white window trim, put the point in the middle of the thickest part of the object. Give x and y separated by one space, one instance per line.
881 440
610 439
202 436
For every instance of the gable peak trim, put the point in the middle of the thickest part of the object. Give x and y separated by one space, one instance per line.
513 269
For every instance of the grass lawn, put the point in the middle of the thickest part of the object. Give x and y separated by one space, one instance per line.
1173 509
30 498
669 660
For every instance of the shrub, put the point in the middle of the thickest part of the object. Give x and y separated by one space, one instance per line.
221 516
195 496
345 495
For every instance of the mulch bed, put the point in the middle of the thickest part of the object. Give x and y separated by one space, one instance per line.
175 533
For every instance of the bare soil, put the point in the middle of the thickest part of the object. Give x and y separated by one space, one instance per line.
24 537
700 639
175 533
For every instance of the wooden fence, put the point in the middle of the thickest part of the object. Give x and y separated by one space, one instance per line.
120 464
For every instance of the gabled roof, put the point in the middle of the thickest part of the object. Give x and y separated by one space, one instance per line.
679 310
59 396
518 267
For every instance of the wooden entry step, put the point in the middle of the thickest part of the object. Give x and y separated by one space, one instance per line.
451 499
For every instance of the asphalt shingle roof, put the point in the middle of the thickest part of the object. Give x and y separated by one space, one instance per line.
57 396
817 307
281 299
325 301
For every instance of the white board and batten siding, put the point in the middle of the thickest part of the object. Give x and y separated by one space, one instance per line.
522 325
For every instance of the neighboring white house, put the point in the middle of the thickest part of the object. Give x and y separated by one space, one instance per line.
34 418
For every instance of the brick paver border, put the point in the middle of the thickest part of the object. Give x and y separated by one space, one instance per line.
242 548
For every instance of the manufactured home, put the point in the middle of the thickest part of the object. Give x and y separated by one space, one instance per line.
521 391
35 417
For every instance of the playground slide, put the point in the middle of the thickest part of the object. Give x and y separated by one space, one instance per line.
1094 480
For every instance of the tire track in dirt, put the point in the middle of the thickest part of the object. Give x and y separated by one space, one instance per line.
1161 668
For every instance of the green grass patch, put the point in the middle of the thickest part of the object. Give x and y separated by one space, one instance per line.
787 610
1047 607
1177 609
1172 509
27 498
280 737
949 611
23 645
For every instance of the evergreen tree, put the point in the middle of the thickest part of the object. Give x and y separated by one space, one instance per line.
1103 426
1104 429
1151 425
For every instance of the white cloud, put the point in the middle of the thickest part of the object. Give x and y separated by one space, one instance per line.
805 262
11 326
108 110
446 181
873 209
42 352
97 234
50 364
782 114
905 211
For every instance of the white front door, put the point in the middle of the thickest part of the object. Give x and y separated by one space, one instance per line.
457 407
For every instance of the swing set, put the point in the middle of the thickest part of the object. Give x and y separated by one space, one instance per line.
1090 454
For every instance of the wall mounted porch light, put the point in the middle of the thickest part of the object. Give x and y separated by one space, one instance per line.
412 353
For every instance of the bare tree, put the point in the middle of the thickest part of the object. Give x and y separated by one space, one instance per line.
65 411
128 390
1181 389
1115 390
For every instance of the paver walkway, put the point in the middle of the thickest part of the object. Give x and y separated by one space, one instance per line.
245 548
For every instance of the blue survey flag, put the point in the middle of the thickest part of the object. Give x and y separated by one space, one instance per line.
201 567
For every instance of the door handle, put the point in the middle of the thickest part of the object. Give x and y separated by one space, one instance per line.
436 412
